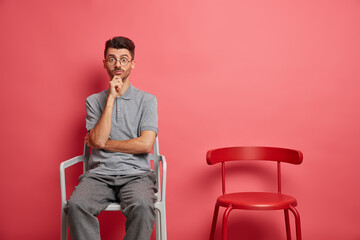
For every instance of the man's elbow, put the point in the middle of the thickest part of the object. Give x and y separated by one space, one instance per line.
148 147
97 144
147 141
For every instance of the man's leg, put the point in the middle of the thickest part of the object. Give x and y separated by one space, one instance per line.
137 199
89 198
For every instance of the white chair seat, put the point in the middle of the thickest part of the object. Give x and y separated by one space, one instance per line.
113 207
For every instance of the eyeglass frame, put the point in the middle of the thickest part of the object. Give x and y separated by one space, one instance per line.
116 60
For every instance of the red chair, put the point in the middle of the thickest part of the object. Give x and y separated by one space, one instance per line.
255 200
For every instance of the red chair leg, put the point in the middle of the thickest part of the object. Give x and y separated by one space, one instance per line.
213 225
287 224
297 222
226 215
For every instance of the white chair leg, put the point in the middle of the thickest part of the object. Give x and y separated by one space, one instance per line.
157 225
163 224
64 225
160 223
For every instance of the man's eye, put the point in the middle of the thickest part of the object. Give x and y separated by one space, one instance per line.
111 59
124 60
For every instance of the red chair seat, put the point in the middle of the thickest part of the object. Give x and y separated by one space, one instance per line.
257 201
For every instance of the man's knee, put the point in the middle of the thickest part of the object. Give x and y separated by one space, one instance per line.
142 208
82 206
73 206
144 205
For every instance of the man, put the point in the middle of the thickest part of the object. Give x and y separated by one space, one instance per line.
122 127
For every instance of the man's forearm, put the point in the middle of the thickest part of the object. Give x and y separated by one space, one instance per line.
99 135
140 145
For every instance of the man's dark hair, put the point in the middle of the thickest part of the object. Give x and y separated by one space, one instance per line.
120 42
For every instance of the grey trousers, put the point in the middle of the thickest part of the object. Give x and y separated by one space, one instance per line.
136 194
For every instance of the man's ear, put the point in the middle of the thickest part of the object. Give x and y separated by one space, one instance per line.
132 64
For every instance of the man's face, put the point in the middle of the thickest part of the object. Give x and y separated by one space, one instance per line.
118 62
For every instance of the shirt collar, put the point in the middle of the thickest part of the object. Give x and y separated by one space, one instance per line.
129 92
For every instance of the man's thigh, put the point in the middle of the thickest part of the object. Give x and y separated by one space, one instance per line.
92 193
140 189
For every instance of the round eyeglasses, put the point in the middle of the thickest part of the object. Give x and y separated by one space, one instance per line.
123 61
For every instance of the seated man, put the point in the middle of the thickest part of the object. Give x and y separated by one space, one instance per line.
122 127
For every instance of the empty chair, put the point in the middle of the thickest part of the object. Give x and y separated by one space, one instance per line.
255 200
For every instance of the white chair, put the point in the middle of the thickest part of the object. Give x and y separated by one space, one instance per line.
159 204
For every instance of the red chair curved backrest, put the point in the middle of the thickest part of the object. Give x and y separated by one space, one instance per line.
254 153
276 154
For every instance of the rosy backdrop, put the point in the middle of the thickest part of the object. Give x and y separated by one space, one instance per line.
274 73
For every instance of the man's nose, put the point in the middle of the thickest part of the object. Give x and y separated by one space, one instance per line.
117 63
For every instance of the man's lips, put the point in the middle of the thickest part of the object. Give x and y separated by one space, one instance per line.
118 72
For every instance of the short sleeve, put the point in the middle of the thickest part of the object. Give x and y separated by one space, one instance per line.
149 119
93 113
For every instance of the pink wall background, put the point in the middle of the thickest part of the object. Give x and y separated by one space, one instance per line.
226 73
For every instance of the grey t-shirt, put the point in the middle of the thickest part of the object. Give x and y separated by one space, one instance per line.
135 111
